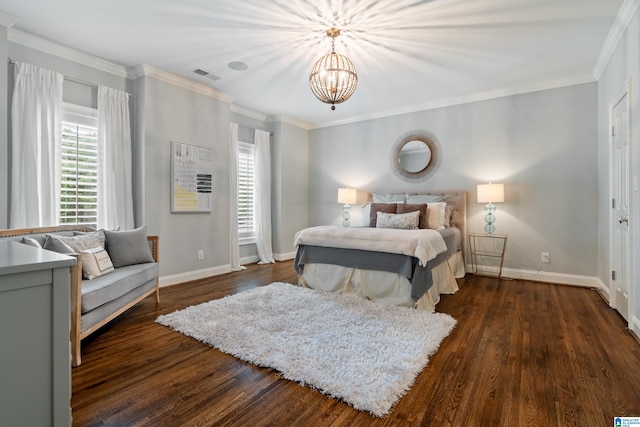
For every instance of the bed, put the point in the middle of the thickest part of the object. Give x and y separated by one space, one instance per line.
367 261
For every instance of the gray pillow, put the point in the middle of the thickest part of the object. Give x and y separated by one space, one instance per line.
31 242
128 247
56 245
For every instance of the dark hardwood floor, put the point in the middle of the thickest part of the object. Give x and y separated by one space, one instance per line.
522 354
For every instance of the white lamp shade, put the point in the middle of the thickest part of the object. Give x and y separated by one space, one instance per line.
347 195
490 193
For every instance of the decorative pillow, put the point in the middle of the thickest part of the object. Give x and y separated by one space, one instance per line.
380 207
422 208
405 221
128 247
365 212
95 262
56 245
31 242
388 197
425 198
85 241
447 215
436 215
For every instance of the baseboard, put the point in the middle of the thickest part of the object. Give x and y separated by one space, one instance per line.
249 260
188 276
634 326
550 277
284 257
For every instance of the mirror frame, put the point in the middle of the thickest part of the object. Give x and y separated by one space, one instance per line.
434 164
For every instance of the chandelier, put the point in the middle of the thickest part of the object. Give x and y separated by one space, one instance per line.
333 78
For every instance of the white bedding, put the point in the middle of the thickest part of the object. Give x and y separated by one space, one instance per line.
382 286
424 245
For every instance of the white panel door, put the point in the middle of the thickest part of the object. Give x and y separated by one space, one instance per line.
620 204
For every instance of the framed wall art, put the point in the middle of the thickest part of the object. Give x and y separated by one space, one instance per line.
191 178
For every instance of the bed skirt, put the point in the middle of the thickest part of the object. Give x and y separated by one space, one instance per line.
382 286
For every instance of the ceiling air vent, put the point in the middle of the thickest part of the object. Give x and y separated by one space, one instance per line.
205 73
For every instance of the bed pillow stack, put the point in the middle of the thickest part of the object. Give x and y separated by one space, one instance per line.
434 211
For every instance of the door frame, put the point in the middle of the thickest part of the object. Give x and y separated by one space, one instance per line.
626 90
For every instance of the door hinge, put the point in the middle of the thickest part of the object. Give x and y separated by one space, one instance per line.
613 203
613 131
613 275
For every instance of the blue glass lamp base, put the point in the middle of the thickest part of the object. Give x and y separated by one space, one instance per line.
346 215
489 218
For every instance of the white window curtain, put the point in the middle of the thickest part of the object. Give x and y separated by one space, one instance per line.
233 203
263 197
115 185
36 117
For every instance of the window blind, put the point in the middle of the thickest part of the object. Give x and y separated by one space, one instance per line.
246 186
79 179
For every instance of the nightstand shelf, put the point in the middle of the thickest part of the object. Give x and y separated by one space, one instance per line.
484 248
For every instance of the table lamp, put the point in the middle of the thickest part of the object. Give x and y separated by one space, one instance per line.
490 194
348 197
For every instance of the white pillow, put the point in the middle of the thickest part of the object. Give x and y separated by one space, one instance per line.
366 214
388 198
84 241
95 262
417 199
406 221
436 215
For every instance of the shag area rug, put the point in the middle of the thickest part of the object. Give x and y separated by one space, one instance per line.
364 353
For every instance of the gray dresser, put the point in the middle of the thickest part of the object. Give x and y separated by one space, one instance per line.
35 368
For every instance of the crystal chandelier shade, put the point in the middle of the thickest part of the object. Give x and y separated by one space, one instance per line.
333 78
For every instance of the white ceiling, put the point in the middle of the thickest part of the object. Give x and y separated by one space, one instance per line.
410 54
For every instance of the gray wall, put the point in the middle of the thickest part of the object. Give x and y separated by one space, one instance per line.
542 146
623 64
172 113
290 196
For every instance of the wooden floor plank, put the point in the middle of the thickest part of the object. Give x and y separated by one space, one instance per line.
522 354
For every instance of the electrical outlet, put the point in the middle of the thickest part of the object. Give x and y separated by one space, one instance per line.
544 257
200 255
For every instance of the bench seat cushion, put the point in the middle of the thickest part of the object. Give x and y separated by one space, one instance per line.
109 287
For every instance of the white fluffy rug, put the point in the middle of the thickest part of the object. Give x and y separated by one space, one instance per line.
367 354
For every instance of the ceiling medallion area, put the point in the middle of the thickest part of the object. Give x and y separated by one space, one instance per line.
333 77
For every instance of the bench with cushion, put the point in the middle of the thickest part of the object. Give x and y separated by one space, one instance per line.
114 271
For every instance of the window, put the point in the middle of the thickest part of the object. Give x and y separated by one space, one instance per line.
246 186
79 181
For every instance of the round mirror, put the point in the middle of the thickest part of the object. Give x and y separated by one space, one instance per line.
415 156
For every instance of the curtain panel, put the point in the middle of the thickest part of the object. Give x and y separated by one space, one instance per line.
115 184
36 117
263 196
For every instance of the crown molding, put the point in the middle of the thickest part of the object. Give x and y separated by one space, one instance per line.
247 112
294 122
7 20
34 42
618 29
150 71
480 96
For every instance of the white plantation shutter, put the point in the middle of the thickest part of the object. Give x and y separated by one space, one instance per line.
246 188
79 182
